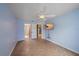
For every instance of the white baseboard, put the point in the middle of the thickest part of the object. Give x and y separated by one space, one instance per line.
62 46
13 48
21 39
15 45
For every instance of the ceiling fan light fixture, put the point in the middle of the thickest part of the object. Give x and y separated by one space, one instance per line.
42 17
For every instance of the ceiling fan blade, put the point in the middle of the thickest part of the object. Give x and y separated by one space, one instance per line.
50 16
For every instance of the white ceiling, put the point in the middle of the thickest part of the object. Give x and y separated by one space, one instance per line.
30 11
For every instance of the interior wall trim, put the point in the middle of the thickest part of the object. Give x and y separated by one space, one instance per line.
62 46
13 48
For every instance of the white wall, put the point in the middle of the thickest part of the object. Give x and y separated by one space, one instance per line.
66 30
7 30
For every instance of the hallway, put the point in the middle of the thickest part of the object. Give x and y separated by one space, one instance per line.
40 47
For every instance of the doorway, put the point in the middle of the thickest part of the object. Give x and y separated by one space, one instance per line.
39 31
28 29
33 31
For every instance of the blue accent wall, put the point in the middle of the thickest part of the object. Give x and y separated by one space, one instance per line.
20 29
8 37
66 30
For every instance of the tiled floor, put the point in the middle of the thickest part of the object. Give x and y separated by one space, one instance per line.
40 48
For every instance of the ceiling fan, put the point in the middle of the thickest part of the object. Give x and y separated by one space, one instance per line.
43 15
46 16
